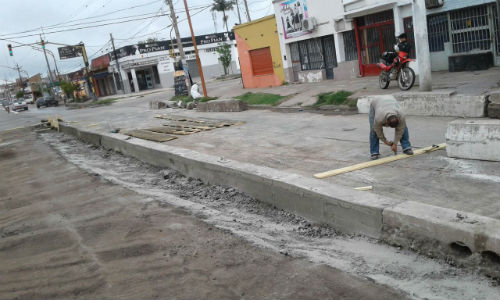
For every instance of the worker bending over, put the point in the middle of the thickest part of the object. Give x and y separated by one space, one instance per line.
387 113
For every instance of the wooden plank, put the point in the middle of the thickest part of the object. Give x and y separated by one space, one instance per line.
378 162
149 135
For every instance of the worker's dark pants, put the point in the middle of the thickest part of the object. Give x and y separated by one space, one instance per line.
374 140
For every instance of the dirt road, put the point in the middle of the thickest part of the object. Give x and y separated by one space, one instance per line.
65 233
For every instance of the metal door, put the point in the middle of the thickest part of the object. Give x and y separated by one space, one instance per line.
330 55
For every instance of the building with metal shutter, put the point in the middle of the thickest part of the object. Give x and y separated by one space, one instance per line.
259 53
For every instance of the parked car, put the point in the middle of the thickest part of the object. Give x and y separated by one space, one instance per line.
46 101
29 100
19 104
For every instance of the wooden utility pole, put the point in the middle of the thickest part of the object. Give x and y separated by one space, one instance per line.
173 17
47 61
200 69
248 13
122 84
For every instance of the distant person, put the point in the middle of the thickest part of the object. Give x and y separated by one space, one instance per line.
387 113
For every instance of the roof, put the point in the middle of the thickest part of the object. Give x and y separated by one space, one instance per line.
254 22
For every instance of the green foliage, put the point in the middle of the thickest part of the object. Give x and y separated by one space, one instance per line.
149 40
19 94
68 88
223 6
108 101
337 98
206 99
224 51
260 98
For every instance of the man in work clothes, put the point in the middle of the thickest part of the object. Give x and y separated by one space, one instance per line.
387 113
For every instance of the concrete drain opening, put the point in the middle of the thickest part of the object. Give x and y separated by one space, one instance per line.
460 249
490 257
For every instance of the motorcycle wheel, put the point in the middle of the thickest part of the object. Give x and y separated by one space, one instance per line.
383 80
406 78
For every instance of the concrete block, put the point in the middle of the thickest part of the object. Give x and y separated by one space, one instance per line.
156 104
494 111
494 97
474 139
364 102
312 76
222 106
442 104
442 232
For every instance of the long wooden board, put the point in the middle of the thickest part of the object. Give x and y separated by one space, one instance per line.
378 161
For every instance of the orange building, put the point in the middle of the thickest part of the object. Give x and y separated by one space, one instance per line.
259 53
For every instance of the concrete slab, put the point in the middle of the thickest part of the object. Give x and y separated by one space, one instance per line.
224 105
474 139
443 103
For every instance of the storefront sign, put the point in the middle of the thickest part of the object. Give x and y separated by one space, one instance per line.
293 13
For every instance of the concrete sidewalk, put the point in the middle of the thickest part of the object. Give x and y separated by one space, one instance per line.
467 83
306 143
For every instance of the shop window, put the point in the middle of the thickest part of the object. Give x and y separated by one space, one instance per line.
437 30
350 48
470 29
262 62
156 75
316 54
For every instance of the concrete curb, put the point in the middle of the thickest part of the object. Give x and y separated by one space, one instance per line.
405 223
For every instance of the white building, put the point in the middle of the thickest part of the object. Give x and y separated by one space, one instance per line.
150 65
463 34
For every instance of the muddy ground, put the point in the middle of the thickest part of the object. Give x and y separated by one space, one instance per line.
68 233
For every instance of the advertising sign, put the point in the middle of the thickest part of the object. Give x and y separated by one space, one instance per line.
69 52
293 13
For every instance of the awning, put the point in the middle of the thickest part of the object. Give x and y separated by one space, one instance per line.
101 75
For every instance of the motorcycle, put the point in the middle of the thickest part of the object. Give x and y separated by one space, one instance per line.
395 65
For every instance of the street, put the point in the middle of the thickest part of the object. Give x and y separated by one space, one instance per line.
105 219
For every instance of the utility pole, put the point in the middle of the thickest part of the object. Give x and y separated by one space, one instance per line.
248 13
117 63
88 77
200 69
238 9
422 45
173 17
47 61
20 78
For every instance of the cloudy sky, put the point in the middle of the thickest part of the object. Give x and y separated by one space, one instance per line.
22 21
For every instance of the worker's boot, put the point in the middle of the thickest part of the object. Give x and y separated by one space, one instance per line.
408 152
375 156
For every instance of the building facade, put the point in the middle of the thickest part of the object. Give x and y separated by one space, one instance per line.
259 53
462 35
104 84
151 65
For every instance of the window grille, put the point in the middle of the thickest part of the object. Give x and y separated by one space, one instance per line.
312 53
437 30
497 29
470 29
350 48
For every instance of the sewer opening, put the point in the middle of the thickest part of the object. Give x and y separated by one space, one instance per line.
490 257
460 249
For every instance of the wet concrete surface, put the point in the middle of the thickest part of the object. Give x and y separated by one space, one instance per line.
66 233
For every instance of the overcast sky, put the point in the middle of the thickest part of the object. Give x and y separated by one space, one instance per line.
30 17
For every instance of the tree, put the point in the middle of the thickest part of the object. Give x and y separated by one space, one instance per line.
19 94
68 88
224 51
222 6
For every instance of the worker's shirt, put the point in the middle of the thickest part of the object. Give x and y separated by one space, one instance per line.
384 108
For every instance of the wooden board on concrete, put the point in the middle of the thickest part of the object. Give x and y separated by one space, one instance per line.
169 130
149 135
378 162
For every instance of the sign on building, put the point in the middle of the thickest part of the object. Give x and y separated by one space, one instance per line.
70 52
293 13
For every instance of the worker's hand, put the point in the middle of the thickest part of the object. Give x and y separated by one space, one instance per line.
388 143
394 147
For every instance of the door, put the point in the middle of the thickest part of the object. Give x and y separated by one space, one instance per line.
149 80
374 38
295 57
330 55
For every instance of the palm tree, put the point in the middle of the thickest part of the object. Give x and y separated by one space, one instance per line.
222 6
